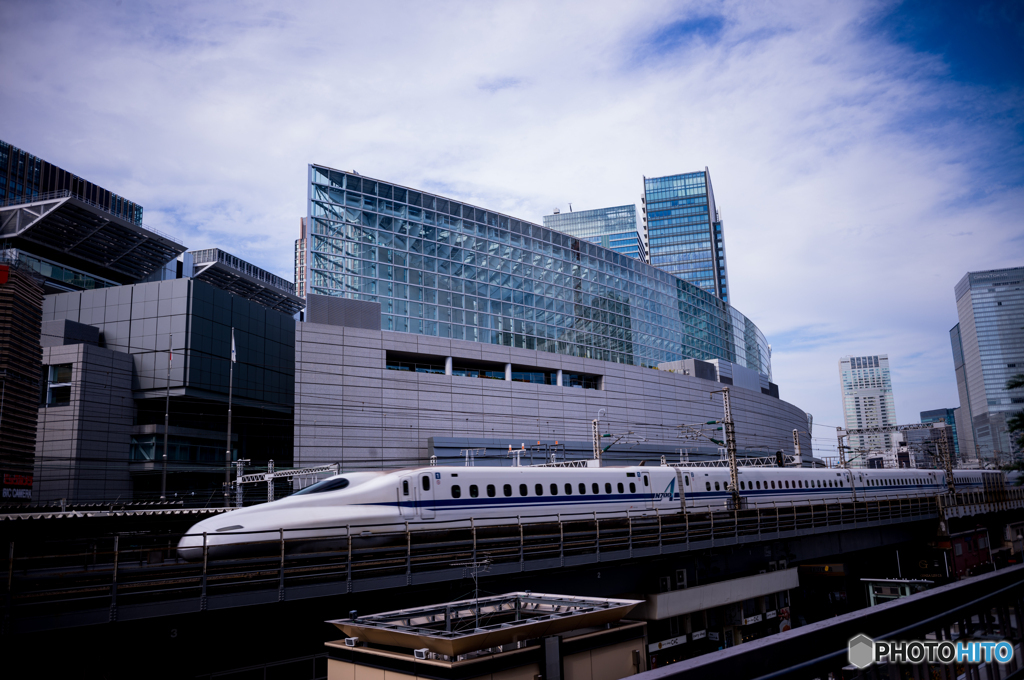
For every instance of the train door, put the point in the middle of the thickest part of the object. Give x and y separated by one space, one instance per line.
425 495
648 491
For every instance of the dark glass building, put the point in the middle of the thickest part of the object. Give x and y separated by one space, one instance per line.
440 267
684 230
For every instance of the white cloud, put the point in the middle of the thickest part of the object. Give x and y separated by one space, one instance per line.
858 184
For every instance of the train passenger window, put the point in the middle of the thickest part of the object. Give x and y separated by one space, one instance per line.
786 482
554 489
773 483
583 488
717 488
819 483
632 487
758 484
456 491
474 491
507 490
607 487
538 489
491 493
621 490
595 488
743 485
568 489
405 487
426 482
523 490
708 485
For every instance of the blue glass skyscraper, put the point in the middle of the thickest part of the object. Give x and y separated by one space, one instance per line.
685 230
613 228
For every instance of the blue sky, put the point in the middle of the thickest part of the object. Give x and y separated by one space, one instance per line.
865 155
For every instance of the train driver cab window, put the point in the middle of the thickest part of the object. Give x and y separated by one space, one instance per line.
523 490
583 488
538 489
708 485
607 487
405 487
507 490
595 488
426 482
456 491
474 490
491 492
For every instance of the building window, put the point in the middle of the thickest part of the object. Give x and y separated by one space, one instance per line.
58 385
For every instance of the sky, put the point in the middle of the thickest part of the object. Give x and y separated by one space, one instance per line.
865 155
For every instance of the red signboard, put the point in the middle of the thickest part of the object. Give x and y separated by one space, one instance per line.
5 273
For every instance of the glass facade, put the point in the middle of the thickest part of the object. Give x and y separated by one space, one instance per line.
444 268
613 228
988 350
944 415
684 230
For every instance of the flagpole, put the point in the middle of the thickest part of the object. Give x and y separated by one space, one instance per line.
167 417
227 453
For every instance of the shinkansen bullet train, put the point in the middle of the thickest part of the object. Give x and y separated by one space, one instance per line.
364 504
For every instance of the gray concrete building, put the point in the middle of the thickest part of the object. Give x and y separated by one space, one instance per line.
381 399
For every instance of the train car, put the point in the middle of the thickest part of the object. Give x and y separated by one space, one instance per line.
367 504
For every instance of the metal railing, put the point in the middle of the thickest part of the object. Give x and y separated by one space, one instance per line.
67 193
137 576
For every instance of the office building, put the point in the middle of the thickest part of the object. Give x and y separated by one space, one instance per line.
112 357
866 391
441 268
684 230
947 416
612 228
988 350
436 328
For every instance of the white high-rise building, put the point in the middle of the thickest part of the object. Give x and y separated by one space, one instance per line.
867 403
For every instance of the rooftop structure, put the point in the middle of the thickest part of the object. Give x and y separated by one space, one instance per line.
236 276
466 626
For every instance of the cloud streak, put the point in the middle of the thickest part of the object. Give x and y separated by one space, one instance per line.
857 179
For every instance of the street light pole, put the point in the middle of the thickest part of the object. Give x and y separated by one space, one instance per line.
167 417
227 451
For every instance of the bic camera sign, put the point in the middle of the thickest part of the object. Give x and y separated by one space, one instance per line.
864 651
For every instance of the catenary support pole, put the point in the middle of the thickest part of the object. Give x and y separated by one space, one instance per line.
167 418
227 450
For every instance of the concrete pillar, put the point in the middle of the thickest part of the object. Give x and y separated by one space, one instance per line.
447 365
508 372
558 378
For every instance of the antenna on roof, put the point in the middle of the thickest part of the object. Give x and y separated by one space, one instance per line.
570 207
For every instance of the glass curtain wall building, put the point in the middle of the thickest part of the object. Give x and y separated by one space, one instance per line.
444 268
613 228
988 350
684 230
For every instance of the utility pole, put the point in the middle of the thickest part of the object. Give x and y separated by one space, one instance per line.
796 447
596 435
842 449
730 447
947 461
167 417
239 467
270 481
227 451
